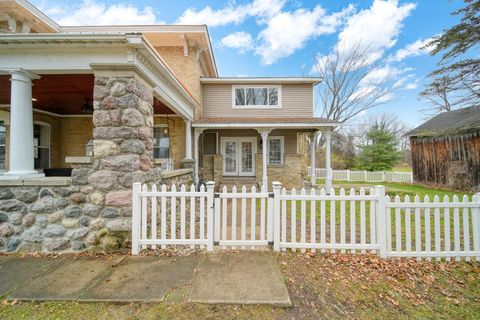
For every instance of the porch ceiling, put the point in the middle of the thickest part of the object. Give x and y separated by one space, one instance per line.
63 94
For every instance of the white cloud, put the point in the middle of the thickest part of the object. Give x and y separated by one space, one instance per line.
92 12
287 32
231 13
411 50
381 75
238 40
211 17
411 86
375 28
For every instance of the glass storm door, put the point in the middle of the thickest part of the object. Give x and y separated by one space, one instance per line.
239 156
230 163
246 158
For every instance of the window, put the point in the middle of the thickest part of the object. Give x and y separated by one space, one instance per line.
256 97
2 145
41 141
161 142
275 150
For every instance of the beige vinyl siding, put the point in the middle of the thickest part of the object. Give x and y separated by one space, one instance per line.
297 100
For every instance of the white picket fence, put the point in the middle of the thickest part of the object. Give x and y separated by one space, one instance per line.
362 220
367 176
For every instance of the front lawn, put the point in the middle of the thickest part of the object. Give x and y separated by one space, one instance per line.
393 189
320 286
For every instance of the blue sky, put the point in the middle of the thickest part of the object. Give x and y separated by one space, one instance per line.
282 37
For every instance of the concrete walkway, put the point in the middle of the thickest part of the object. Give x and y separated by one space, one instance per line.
238 278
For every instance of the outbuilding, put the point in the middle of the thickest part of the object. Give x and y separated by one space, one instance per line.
446 150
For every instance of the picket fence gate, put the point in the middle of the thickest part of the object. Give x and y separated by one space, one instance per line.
367 176
364 220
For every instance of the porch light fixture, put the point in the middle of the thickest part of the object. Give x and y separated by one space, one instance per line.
87 106
34 99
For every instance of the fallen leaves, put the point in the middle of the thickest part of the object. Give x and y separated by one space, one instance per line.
401 280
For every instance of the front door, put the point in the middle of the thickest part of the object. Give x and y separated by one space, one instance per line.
239 156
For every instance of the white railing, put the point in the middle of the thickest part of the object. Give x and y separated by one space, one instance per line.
439 229
367 176
167 164
338 221
253 206
327 221
147 205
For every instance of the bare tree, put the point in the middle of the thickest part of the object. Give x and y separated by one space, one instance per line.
345 91
438 96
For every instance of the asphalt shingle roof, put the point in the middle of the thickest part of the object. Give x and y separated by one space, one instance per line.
449 123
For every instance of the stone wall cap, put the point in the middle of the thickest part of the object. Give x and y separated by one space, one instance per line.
33 182
175 173
79 159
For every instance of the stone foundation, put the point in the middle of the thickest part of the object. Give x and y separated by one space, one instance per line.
65 218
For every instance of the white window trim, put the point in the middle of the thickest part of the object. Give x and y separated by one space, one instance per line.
282 150
43 123
279 103
161 125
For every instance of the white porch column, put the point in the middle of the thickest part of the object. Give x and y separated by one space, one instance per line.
197 133
328 165
264 132
21 126
313 145
188 139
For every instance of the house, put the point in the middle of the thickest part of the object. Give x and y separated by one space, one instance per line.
446 149
85 111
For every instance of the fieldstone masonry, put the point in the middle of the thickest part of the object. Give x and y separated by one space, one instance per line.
95 210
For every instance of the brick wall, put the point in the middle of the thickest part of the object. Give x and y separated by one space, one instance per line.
187 70
74 134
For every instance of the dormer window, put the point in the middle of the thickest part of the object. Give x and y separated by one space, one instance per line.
256 96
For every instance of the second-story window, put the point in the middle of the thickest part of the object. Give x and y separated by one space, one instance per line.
256 97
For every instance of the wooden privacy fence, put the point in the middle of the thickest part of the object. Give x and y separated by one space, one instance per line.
367 176
364 220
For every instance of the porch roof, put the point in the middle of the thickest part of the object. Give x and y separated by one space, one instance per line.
284 123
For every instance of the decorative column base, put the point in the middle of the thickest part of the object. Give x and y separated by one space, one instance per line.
188 163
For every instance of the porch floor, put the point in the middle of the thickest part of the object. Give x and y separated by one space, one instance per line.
245 277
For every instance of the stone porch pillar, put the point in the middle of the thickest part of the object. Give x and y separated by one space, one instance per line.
122 139
328 165
264 134
188 162
313 145
197 133
21 126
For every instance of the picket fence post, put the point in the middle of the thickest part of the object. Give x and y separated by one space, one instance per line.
348 174
210 218
476 224
136 214
277 186
381 221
